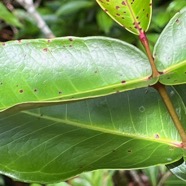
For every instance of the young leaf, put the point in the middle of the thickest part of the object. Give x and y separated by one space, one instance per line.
170 51
68 69
134 15
54 143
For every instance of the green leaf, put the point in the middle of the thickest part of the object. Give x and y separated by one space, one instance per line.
181 89
59 184
178 168
93 178
8 17
70 7
176 5
173 180
67 69
134 15
104 21
160 18
120 131
169 52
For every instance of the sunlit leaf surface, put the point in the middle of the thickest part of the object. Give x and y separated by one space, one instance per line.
67 69
170 51
134 15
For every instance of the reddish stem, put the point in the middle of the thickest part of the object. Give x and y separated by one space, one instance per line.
145 43
162 90
166 99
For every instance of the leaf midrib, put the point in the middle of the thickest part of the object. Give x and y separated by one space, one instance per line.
69 97
103 130
174 67
133 16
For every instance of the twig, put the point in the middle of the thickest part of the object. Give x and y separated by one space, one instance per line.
145 43
163 92
164 178
166 99
30 8
136 178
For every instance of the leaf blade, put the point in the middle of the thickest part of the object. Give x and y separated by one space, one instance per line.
59 142
169 52
128 14
68 69
8 17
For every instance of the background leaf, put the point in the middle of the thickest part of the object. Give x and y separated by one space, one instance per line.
54 143
70 7
176 5
8 17
135 15
67 69
104 21
169 52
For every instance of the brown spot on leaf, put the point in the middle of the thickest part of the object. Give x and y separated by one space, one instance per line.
45 49
157 136
177 21
21 91
123 3
117 7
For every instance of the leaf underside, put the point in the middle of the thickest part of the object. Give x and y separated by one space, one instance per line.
125 130
134 15
170 51
178 168
68 69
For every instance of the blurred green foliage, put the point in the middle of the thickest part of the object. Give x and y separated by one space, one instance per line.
85 18
8 17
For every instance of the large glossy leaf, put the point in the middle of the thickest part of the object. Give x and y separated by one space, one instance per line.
170 51
178 168
66 69
134 15
124 130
